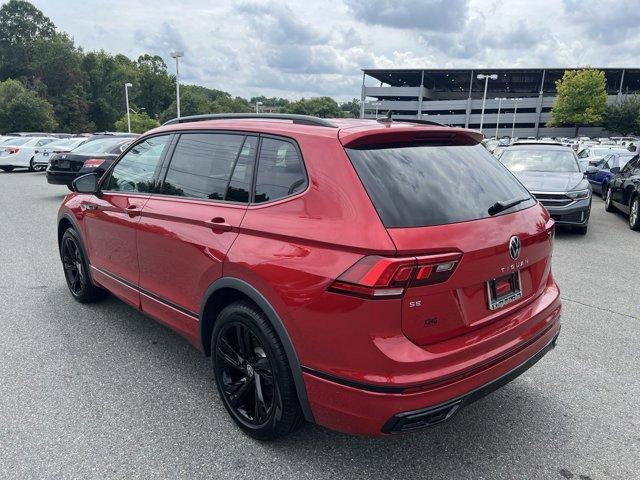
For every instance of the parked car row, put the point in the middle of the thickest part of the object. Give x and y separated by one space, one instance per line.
63 158
563 181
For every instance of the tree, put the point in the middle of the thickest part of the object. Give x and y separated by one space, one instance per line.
325 107
623 117
23 110
351 108
140 123
269 101
155 86
21 24
581 99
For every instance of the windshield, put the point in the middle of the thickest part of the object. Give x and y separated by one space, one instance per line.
417 186
538 160
14 142
100 145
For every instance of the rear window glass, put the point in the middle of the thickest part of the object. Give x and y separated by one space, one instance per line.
102 145
417 186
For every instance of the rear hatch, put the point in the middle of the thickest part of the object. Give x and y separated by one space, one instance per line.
482 244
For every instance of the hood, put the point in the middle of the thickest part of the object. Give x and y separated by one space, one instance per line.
551 181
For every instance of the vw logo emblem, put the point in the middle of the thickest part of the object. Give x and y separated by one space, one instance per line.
514 247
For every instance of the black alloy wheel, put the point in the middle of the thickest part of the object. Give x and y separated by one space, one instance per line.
76 271
246 374
252 373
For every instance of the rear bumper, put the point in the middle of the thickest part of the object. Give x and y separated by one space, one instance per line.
60 178
575 214
360 410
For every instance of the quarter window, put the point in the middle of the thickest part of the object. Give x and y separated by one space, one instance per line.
280 171
135 171
202 165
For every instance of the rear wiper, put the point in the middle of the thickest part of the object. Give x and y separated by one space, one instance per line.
505 204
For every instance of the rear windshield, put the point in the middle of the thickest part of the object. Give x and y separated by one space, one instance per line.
418 186
14 142
101 145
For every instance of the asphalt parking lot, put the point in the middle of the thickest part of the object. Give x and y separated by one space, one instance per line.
100 391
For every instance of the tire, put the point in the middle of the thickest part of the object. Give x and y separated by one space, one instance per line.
252 373
581 230
76 271
70 187
7 169
608 204
603 190
634 213
31 167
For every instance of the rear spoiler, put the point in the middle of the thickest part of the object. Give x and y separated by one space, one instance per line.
387 137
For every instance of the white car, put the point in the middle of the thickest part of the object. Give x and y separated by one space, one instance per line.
63 145
19 152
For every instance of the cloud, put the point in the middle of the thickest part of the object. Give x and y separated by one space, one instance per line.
431 15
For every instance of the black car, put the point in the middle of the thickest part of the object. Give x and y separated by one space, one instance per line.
623 192
553 175
96 155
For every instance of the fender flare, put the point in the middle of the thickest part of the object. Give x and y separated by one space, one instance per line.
251 292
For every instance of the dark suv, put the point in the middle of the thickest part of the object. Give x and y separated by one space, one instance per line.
623 192
370 276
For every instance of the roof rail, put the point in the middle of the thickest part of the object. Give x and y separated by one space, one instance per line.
299 119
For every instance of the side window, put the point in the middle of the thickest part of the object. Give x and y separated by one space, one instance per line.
280 171
202 164
134 172
583 153
606 162
630 166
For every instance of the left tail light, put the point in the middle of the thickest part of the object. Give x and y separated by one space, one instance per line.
93 163
375 276
11 150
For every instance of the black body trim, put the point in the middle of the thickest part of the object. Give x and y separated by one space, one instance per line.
427 417
351 383
276 322
294 118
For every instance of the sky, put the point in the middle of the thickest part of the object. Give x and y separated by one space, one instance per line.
311 48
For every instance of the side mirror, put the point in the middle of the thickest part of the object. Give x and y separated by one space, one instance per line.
86 184
615 170
591 170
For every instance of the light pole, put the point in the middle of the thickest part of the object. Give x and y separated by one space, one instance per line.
486 79
258 107
375 104
498 119
177 54
126 97
515 111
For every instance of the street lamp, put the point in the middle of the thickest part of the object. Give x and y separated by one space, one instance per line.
375 104
258 107
126 97
498 119
177 54
515 110
486 79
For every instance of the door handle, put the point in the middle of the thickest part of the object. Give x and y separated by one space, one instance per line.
218 223
133 210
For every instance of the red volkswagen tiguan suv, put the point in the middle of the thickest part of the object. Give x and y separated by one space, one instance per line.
370 276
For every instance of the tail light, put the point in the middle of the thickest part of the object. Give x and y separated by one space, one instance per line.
93 163
11 150
374 276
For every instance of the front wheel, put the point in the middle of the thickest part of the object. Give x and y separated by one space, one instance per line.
634 214
608 201
31 167
252 373
76 269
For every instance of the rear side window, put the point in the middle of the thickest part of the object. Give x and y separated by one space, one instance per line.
202 164
280 171
416 186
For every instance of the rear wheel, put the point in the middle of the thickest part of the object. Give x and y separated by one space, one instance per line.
76 269
70 186
7 169
608 203
252 373
634 214
31 167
